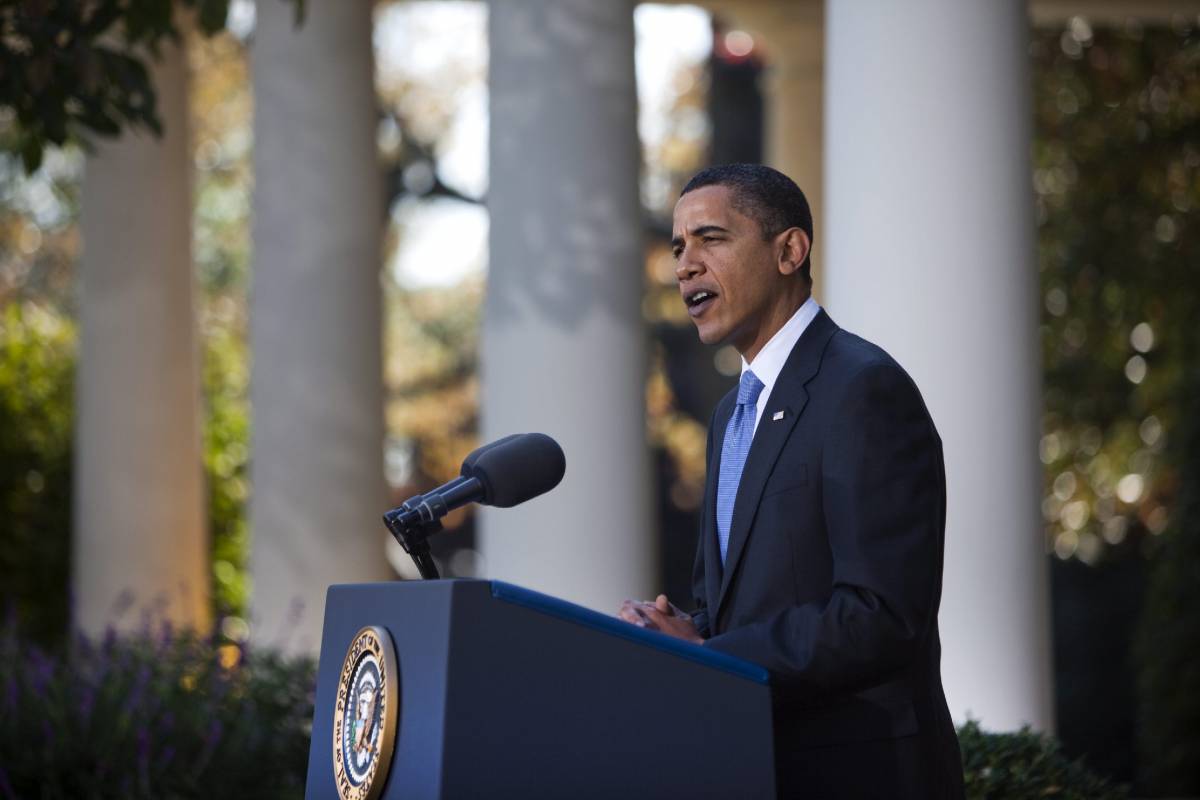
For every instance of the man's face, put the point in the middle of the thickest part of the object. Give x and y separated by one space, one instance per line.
728 273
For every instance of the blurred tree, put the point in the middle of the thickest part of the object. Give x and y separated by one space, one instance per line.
431 80
38 248
37 349
433 391
1169 637
69 71
39 241
1117 181
221 122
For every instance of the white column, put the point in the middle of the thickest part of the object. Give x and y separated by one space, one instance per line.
140 534
316 331
563 336
930 254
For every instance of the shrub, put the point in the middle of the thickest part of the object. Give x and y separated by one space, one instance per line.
160 715
169 715
1026 766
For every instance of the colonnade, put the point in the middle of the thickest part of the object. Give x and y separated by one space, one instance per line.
907 125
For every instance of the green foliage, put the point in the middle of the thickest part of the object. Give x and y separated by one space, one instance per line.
433 404
37 359
1025 766
1117 175
220 125
37 366
1169 635
38 255
70 70
156 715
226 461
176 716
1117 181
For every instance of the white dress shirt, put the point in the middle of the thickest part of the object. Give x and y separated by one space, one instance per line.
770 360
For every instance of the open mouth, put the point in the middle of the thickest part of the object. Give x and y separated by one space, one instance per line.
698 301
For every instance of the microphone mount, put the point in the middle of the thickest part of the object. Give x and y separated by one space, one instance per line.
421 517
504 473
413 533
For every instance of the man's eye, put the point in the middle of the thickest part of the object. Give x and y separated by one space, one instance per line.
676 253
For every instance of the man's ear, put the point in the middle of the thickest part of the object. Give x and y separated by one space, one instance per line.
794 245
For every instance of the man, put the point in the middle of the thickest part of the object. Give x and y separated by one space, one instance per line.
820 554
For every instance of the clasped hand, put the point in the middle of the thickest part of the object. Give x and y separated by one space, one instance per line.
662 616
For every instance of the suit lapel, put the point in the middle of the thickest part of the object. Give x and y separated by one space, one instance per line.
789 396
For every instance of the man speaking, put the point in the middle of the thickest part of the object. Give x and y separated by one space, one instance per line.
820 554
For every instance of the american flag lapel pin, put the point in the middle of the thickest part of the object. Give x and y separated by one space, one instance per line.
778 416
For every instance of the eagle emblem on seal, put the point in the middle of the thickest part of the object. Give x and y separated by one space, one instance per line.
365 715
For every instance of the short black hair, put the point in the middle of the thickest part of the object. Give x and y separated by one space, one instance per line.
766 195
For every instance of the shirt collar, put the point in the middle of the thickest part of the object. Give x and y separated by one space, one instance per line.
769 361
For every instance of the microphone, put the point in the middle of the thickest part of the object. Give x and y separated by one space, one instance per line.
505 473
516 468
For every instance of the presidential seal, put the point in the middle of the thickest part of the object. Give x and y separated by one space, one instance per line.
364 720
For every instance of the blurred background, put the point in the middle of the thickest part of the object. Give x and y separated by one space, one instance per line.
268 269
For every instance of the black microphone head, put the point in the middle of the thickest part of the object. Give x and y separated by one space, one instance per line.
516 468
469 462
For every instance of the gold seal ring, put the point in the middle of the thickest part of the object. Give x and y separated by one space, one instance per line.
365 715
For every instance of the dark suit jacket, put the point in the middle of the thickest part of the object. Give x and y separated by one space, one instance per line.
834 573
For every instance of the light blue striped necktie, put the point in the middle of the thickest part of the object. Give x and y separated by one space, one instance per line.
738 435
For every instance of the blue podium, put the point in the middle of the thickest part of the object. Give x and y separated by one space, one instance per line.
480 689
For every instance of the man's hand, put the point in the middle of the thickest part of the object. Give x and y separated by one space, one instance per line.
660 616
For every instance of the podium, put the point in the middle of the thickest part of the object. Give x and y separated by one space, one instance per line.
499 691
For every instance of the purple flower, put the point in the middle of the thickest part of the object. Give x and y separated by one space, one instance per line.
87 701
41 669
83 646
143 744
166 633
110 640
134 698
210 746
214 734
